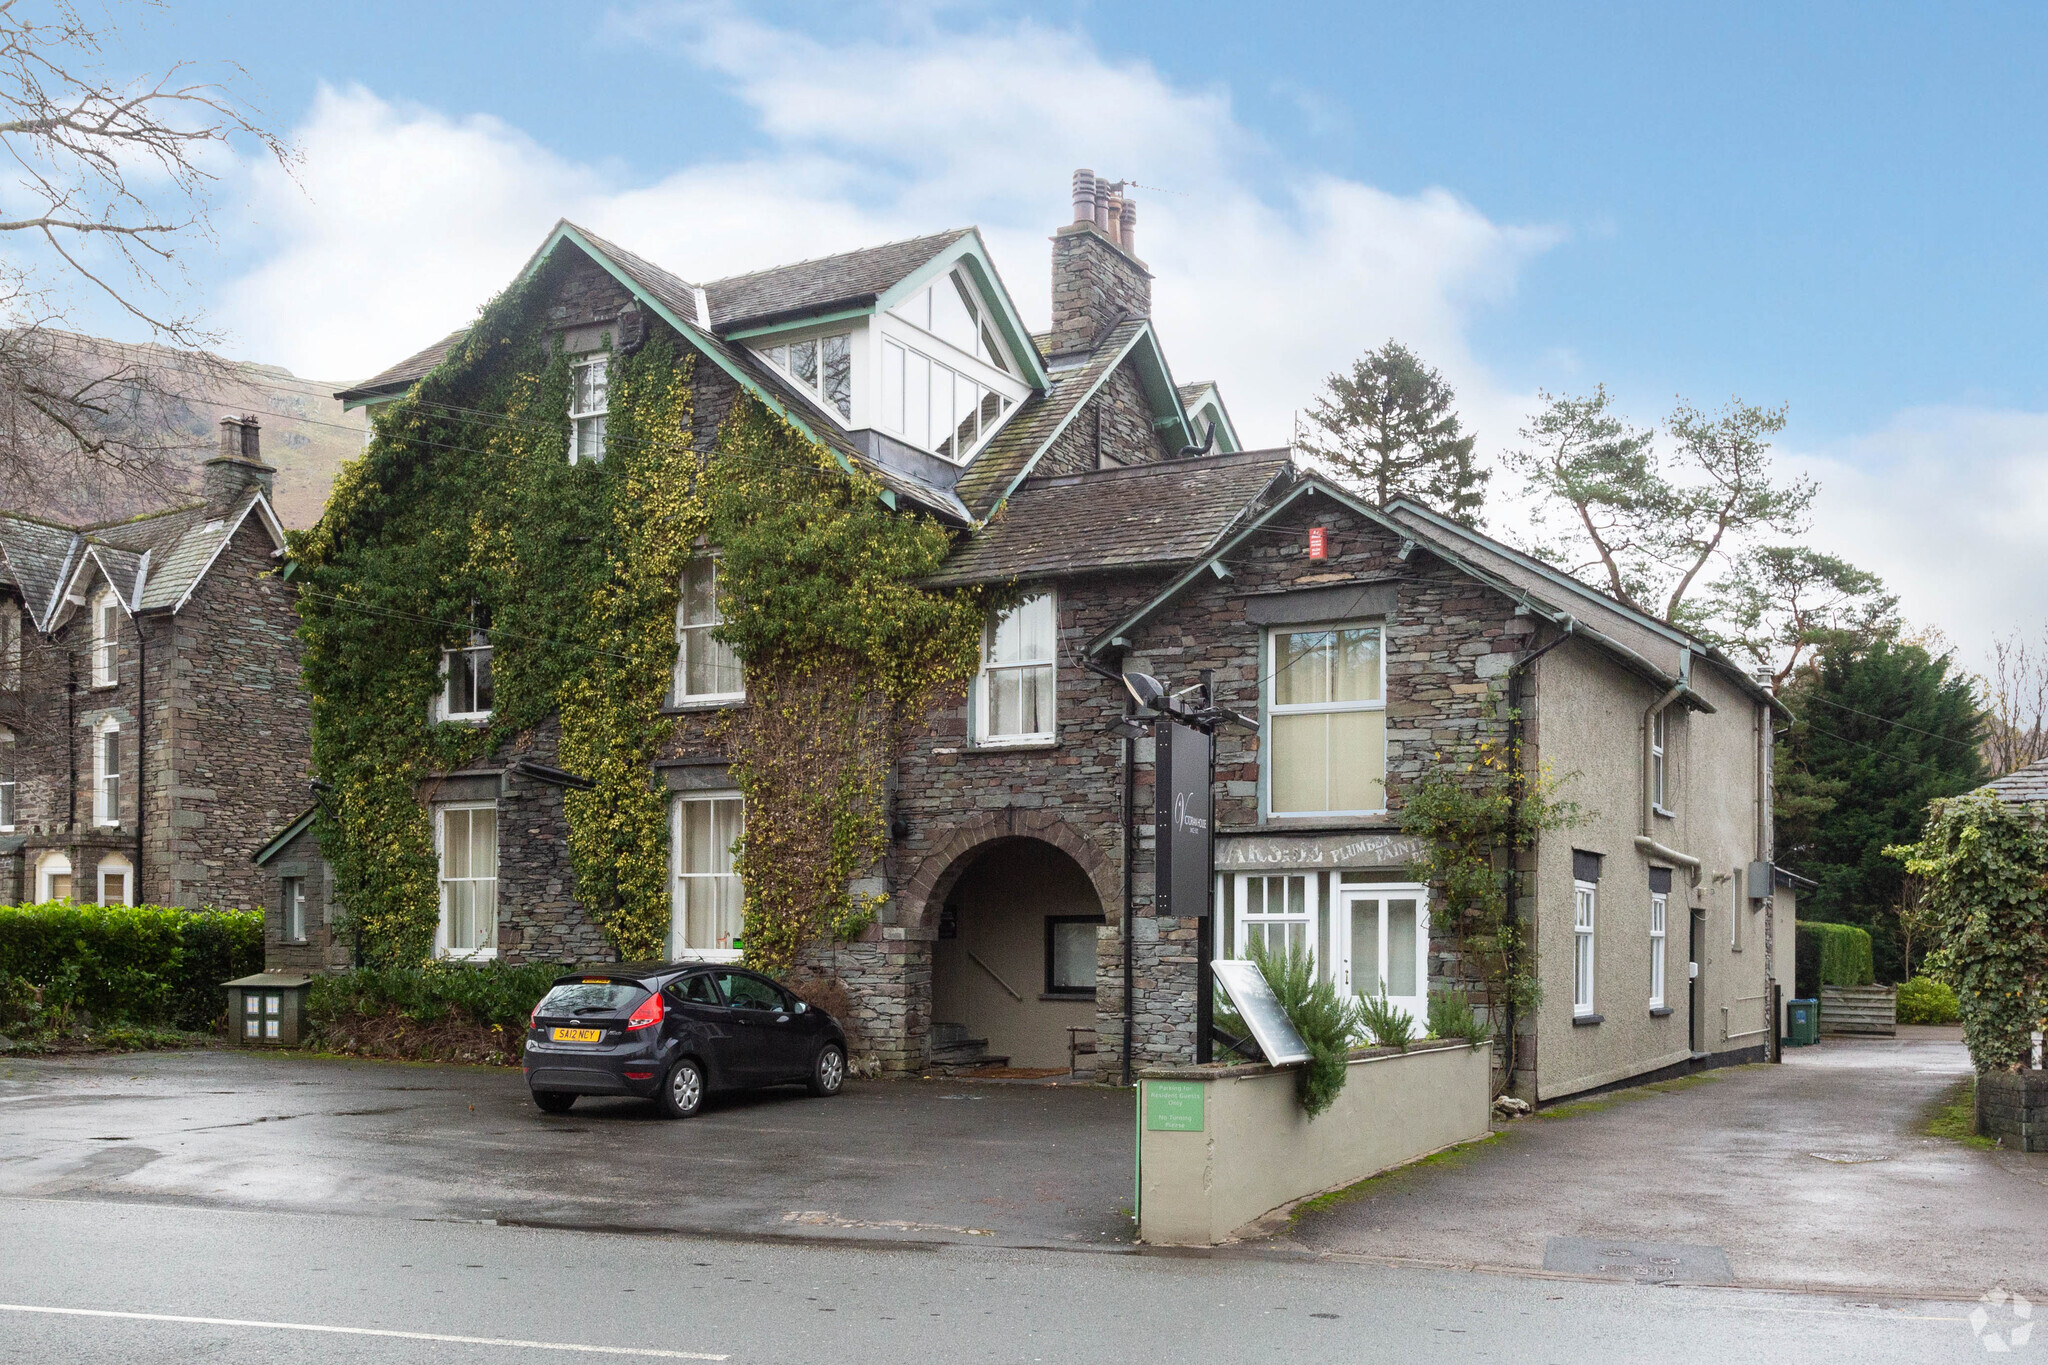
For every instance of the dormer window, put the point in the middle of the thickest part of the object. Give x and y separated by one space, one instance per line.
932 406
948 310
589 400
821 366
106 640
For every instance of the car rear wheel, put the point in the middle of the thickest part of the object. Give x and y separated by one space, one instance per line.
553 1101
828 1073
682 1090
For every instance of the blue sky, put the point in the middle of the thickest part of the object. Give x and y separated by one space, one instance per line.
1828 205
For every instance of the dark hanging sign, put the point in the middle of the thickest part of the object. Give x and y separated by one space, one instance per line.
1184 821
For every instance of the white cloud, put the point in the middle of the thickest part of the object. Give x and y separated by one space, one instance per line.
1268 277
1948 504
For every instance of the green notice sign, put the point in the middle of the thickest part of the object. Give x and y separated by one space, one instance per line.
1173 1106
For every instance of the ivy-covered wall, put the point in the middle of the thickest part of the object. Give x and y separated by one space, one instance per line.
465 508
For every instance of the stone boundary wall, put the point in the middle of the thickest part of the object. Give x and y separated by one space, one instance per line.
2012 1106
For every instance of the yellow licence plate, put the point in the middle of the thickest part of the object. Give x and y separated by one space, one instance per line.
578 1035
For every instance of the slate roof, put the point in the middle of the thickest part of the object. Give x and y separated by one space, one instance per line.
1039 419
1162 515
2023 787
154 561
406 372
849 279
36 555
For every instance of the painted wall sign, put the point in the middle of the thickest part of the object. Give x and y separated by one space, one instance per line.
1175 1106
1185 822
1243 852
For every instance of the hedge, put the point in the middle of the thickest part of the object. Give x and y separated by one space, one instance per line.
1924 1000
491 994
139 964
1843 953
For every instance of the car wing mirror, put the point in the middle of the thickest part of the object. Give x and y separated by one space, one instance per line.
801 1007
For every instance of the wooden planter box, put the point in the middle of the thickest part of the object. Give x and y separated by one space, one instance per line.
2012 1106
1868 1010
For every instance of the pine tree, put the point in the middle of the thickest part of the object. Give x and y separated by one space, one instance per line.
1884 727
1390 428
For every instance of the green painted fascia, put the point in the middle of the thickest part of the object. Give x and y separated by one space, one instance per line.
795 324
1160 387
377 400
971 250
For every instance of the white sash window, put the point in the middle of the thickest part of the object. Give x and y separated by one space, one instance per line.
1014 694
707 902
1326 720
468 838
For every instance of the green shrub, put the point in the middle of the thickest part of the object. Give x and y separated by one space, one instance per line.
492 993
134 964
1844 952
1324 1022
1924 1000
1388 1025
1451 1016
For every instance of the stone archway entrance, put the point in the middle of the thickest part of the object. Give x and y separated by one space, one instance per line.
1014 961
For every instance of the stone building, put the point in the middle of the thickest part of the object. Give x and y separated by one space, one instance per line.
1366 645
152 729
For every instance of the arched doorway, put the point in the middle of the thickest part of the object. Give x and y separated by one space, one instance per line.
1013 967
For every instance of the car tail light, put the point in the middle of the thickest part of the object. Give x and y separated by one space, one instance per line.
533 1020
648 1015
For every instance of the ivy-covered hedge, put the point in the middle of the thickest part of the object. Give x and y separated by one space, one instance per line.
1840 953
465 509
1984 866
140 964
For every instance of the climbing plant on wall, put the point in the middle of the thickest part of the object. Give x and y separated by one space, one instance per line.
465 508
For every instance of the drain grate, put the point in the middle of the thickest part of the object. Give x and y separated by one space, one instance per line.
1643 1262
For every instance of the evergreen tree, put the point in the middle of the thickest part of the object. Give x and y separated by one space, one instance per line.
1884 727
1390 427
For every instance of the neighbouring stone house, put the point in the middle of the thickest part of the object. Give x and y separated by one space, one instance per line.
152 730
1370 644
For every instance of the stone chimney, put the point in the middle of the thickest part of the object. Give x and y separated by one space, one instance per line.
1097 277
239 466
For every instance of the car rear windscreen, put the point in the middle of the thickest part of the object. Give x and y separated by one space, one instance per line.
593 997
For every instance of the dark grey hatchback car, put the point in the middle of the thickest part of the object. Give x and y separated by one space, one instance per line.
673 1031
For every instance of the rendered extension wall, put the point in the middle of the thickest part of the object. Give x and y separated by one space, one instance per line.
1256 1151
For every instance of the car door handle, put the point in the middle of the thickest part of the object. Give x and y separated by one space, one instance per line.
781 1018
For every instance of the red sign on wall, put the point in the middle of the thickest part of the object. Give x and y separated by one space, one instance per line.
1318 543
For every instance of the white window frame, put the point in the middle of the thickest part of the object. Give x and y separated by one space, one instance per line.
10 777
677 693
678 949
53 866
1660 769
479 643
10 647
1585 910
106 782
106 639
1660 909
443 946
1273 709
983 678
292 898
578 416
775 353
1303 922
119 867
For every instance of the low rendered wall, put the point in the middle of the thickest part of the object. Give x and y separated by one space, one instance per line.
1220 1145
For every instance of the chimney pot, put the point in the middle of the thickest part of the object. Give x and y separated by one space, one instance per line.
1084 196
239 467
252 438
1127 227
231 438
1102 205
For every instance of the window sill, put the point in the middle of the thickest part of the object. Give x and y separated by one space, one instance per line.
691 705
1660 1011
1666 814
474 955
104 686
1587 1020
710 955
1022 746
466 718
1071 997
